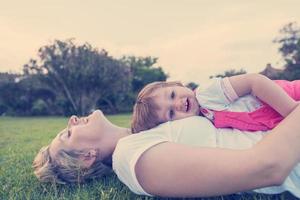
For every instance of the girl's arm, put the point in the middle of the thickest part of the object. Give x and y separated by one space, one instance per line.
265 89
175 170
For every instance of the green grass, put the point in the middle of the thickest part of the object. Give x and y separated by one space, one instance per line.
21 138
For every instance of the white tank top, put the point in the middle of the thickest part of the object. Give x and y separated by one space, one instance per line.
193 131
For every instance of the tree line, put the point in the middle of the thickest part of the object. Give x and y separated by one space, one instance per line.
67 78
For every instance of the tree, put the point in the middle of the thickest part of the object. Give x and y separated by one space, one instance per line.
144 71
289 41
228 73
80 75
272 73
19 94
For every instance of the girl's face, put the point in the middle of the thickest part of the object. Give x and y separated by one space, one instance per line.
175 102
81 133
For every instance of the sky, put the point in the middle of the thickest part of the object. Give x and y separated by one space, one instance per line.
193 39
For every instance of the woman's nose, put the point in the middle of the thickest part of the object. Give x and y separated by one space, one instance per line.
74 120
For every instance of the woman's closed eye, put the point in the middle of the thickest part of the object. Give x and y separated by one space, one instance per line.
69 133
65 134
172 95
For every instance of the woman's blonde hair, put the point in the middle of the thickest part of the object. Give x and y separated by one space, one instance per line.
67 167
144 115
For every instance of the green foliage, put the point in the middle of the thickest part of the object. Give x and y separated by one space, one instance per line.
289 42
144 71
67 78
20 140
228 73
81 75
18 93
39 107
14 95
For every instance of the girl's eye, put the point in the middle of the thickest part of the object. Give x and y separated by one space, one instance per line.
172 95
171 114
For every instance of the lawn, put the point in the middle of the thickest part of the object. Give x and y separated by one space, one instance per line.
21 138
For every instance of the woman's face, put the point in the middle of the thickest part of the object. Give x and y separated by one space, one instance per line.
80 133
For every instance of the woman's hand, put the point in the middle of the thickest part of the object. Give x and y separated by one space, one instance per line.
176 170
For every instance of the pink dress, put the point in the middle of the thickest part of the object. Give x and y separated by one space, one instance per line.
260 119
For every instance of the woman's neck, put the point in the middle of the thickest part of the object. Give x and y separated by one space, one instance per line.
111 135
117 131
121 132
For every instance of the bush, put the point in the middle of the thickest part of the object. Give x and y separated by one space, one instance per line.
3 109
39 107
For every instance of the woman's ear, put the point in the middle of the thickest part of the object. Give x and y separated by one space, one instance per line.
89 158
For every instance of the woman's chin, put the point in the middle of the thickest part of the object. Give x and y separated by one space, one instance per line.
98 114
98 111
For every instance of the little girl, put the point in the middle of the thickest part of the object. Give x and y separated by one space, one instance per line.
249 102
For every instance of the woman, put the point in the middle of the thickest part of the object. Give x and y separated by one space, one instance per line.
169 161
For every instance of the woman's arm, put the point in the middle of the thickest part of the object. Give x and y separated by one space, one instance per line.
265 89
175 170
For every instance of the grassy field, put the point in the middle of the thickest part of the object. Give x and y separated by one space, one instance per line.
21 138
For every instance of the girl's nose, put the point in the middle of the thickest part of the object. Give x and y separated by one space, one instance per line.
179 104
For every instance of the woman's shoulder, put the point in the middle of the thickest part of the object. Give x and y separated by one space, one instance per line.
140 140
130 148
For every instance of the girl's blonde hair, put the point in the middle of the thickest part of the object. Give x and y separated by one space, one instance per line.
67 167
144 115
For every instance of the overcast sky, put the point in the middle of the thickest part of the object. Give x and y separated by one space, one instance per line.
193 39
